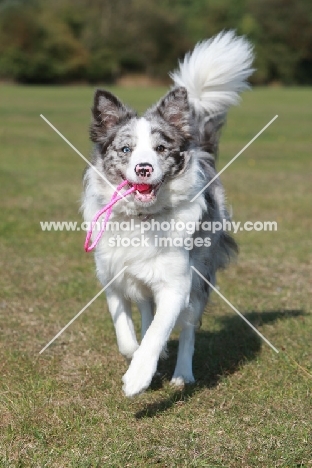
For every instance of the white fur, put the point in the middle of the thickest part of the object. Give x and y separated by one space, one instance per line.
143 152
215 72
143 134
154 274
161 277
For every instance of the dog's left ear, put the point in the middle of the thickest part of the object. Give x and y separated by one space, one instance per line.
107 112
174 108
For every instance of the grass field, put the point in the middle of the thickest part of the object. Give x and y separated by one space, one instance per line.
250 407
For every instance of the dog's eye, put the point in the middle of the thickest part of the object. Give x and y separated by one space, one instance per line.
160 149
125 149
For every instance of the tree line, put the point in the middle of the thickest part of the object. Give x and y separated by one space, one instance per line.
63 41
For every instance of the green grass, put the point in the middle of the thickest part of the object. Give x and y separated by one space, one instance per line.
250 407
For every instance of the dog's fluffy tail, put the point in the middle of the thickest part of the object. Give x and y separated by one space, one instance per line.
215 72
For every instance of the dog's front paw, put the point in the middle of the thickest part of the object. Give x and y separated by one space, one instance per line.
139 375
181 380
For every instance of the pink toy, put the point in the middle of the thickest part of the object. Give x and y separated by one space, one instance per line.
108 209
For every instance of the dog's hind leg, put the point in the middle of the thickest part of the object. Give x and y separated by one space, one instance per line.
120 310
146 311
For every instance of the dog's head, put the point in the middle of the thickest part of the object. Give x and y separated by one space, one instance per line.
148 151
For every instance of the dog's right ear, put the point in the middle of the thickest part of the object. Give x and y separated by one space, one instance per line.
174 108
107 112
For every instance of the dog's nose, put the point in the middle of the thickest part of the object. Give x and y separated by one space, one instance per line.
144 169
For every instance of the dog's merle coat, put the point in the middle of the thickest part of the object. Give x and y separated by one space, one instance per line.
177 140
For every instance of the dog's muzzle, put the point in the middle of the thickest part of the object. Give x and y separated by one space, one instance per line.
143 170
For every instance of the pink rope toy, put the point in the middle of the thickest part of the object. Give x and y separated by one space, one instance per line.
108 209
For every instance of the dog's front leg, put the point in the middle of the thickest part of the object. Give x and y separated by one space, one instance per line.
120 310
183 372
169 303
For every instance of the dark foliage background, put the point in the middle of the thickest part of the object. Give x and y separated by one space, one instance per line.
100 40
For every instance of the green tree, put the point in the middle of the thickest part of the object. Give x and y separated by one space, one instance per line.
283 38
37 47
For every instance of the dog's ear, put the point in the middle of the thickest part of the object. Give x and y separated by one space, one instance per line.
209 130
174 108
107 112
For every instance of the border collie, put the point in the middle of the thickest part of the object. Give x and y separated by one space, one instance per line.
160 230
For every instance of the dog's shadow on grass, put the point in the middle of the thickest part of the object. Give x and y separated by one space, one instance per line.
217 354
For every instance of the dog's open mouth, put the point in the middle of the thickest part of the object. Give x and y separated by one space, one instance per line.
145 193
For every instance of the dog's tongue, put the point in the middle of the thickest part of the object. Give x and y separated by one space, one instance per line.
141 187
